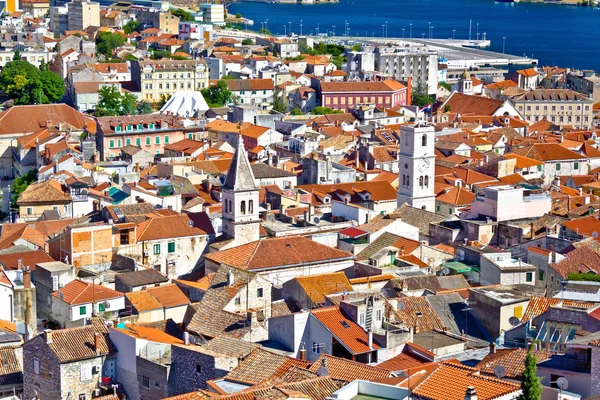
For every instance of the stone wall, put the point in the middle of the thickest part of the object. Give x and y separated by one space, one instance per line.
47 383
157 376
191 369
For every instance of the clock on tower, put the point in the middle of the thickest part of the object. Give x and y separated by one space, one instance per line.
417 166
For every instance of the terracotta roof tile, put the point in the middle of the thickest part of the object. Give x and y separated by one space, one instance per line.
10 261
81 292
321 285
277 253
450 381
458 196
348 370
11 372
73 344
512 360
466 104
143 301
261 365
174 226
347 332
169 295
538 305
368 86
148 333
408 358
50 191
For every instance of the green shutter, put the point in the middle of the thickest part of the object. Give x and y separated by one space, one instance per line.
138 142
576 165
82 310
539 168
558 166
157 249
157 140
171 247
148 141
101 307
111 144
166 139
127 142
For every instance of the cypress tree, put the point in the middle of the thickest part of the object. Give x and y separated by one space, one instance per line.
531 387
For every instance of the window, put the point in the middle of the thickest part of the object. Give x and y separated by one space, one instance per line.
157 249
576 165
127 142
424 140
541 276
146 382
518 312
117 128
558 166
124 237
421 182
157 140
171 247
237 301
101 307
36 365
250 206
166 139
157 384
529 277
378 315
85 372
243 207
140 127
450 211
317 347
111 144
426 181
82 310
539 168
191 136
118 142
29 210
259 293
361 319
148 141
82 396
198 368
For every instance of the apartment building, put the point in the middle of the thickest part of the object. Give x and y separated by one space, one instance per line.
401 63
59 19
83 14
213 13
35 8
157 78
156 18
344 95
587 83
562 107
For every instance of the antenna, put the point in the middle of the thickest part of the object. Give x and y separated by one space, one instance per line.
499 371
562 383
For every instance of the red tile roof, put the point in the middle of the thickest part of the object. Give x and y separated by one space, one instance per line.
347 370
277 253
347 332
81 292
318 286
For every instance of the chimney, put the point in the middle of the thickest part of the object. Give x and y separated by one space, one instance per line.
302 353
97 342
370 339
492 348
471 393
230 278
48 336
186 338
282 210
26 278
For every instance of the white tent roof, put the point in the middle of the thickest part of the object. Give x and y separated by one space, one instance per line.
185 104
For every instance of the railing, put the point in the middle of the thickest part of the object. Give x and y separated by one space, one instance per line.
355 241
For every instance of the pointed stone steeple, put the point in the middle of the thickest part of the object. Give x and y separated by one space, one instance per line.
240 175
240 200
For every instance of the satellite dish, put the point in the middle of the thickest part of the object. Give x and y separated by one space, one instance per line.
401 306
499 371
562 383
316 220
61 295
446 271
594 234
514 321
106 304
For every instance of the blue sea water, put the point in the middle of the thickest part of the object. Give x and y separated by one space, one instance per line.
566 36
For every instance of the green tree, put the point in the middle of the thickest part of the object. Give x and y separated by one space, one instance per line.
183 15
26 84
163 100
107 42
17 55
217 95
296 111
20 184
274 51
279 103
131 26
247 42
420 98
238 15
320 110
531 386
143 107
356 47
113 102
159 54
